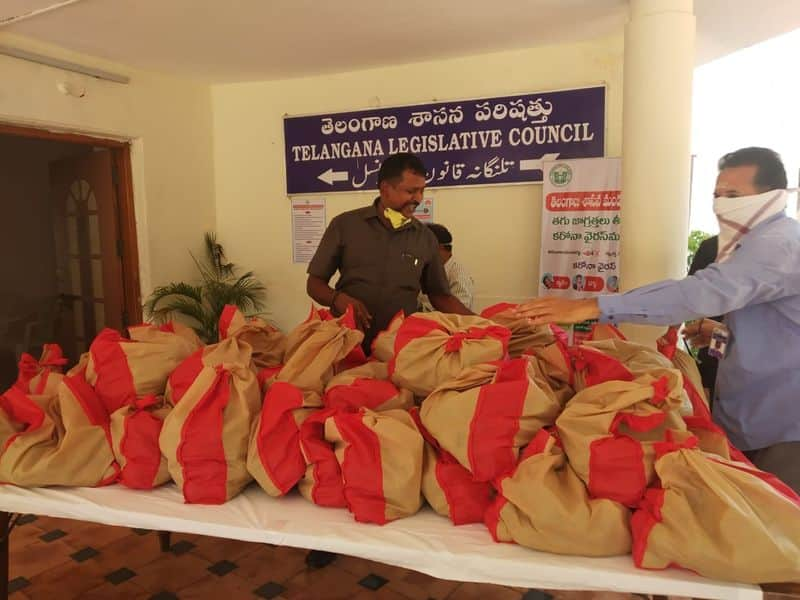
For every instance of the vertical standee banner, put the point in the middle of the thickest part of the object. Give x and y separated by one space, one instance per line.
580 250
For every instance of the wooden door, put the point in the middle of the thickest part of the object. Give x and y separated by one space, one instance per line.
88 248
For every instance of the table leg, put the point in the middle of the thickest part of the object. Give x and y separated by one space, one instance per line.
164 540
5 531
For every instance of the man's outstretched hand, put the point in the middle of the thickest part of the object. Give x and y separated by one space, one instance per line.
545 310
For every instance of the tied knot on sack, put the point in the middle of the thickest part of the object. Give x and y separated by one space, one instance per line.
145 402
673 445
456 340
579 362
660 390
51 357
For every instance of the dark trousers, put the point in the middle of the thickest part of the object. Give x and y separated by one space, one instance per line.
782 460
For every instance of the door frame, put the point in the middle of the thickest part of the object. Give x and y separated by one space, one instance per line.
123 180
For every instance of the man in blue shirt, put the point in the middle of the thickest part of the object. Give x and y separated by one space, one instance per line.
755 283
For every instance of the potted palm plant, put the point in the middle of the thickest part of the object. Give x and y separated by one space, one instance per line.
200 306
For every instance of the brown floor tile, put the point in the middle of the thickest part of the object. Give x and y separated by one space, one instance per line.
172 573
211 587
36 557
361 567
24 535
133 552
50 523
95 535
419 586
217 549
128 590
69 580
271 563
380 594
479 591
330 583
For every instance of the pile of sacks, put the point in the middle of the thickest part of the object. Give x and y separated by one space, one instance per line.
600 449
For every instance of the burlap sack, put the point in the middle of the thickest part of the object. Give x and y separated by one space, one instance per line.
609 432
524 336
322 482
41 377
356 357
266 377
543 504
719 518
433 348
692 380
121 370
205 437
56 440
380 455
448 487
268 342
712 439
485 416
383 344
229 351
555 364
366 386
613 359
315 348
274 457
605 331
134 435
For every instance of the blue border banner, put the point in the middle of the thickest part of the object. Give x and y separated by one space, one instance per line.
470 142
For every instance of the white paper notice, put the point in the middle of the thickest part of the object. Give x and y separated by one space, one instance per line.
308 225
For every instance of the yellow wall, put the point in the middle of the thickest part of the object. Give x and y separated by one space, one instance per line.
496 229
169 122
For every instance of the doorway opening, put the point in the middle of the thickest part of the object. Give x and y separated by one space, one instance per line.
68 257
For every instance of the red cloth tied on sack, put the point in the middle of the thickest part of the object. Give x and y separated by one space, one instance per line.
488 413
609 432
432 348
135 431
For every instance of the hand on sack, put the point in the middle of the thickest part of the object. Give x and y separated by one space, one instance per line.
542 311
698 333
363 318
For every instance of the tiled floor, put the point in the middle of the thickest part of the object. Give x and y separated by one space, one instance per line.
56 558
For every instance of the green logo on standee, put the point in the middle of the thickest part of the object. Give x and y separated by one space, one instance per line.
560 175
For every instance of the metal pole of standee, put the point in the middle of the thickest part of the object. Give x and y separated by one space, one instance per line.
656 145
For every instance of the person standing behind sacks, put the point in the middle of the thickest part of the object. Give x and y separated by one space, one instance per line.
755 283
461 284
383 254
706 364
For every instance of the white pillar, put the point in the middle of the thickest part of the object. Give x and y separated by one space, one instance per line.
657 106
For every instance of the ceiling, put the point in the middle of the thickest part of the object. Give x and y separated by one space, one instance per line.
248 40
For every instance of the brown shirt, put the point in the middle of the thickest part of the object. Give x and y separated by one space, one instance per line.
384 268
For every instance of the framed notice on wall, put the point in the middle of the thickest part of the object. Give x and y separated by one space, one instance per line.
580 250
481 141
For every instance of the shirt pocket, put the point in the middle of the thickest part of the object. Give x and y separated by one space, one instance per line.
410 267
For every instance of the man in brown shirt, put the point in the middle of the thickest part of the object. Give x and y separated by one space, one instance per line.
383 254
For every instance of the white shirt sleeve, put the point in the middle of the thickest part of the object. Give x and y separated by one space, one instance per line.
461 284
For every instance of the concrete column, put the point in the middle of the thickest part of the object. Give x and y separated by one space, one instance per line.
657 106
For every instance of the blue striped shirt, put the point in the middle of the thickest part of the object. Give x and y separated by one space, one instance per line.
758 291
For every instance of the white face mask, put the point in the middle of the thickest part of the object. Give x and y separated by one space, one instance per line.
737 216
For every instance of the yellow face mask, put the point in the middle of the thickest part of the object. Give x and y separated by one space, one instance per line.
397 219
